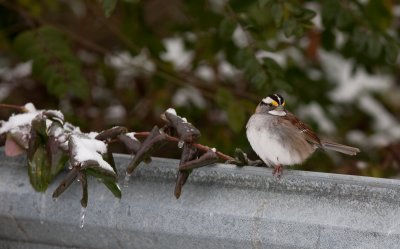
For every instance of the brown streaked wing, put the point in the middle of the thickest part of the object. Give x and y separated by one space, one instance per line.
303 128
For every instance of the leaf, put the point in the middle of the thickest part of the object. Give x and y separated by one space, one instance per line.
343 19
132 145
188 153
114 188
236 116
181 179
241 159
226 29
108 6
111 133
259 79
39 170
54 64
224 97
152 143
66 182
185 130
263 3
374 47
391 52
289 27
100 175
307 14
207 158
277 13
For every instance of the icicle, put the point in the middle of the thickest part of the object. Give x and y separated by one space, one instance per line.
180 144
126 180
82 217
42 210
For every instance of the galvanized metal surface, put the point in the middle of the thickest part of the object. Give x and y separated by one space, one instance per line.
221 207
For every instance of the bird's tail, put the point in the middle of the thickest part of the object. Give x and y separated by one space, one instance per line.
340 148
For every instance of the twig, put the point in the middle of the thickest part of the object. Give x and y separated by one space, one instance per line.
198 146
15 107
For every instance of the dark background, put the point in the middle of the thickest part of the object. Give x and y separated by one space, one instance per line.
106 63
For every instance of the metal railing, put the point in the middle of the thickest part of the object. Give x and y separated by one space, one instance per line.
221 206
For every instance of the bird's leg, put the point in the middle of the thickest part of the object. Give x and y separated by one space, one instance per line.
277 171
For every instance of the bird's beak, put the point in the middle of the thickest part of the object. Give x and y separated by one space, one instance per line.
280 108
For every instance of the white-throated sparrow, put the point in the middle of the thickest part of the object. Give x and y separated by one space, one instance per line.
279 138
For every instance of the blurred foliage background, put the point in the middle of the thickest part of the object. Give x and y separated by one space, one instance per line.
123 62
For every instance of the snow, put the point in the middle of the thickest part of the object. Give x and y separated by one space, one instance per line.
189 95
115 113
227 70
205 73
317 114
350 86
131 135
128 67
358 87
87 148
176 53
17 120
21 70
239 38
171 111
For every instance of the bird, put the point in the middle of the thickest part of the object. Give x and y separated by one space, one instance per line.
281 139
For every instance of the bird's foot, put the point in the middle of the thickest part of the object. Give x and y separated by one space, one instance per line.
277 172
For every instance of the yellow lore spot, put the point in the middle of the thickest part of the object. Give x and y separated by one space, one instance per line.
274 103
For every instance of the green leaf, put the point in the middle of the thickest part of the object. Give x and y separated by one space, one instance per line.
236 116
226 29
391 52
54 64
224 97
108 6
263 3
114 188
289 27
107 180
344 19
307 14
259 79
277 13
374 47
39 170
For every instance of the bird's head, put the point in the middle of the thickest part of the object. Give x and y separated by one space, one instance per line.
273 104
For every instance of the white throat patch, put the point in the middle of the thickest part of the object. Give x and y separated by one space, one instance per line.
277 113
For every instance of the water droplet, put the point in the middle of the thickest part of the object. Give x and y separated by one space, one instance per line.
55 199
82 217
70 166
180 144
126 180
78 180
